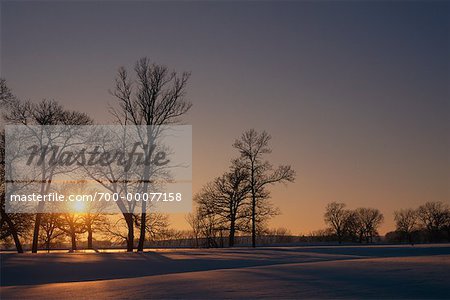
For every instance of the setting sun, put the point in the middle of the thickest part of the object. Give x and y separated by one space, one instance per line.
79 206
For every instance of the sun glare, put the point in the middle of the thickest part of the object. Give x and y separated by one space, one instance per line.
79 206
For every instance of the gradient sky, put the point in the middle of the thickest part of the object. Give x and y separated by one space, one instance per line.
355 94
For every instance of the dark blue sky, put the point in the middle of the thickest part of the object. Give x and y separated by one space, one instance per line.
355 94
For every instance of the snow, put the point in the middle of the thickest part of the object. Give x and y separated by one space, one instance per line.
281 272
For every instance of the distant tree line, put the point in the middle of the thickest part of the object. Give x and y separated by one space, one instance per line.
359 225
430 222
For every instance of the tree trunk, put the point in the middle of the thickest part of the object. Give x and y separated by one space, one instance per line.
89 239
142 229
13 231
232 231
37 225
47 245
130 237
146 178
410 239
253 206
74 241
196 239
17 241
37 222
253 221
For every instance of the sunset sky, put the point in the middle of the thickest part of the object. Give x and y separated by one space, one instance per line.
355 95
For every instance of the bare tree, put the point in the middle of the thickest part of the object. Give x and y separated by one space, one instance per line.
7 98
93 221
209 223
91 213
49 229
433 217
265 210
14 225
114 228
11 225
406 222
194 222
447 224
354 227
157 226
156 98
370 219
45 112
72 225
232 191
253 146
226 197
337 217
117 180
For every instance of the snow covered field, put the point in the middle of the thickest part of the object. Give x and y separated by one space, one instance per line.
282 272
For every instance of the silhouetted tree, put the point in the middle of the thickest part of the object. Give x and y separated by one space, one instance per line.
157 225
72 225
353 227
91 213
336 216
194 221
207 221
226 197
14 225
93 222
157 98
265 210
253 147
406 222
8 222
370 219
45 112
433 217
7 99
50 229
11 225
